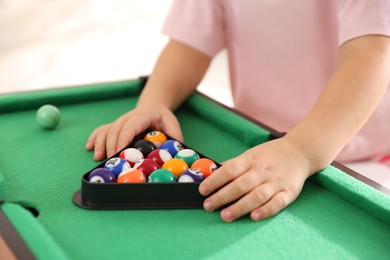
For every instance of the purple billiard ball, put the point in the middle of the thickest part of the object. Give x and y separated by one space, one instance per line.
116 165
101 175
191 175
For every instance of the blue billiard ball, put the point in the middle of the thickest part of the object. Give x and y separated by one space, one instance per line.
172 146
101 175
116 165
191 175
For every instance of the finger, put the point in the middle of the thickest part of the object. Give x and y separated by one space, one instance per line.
100 143
112 136
170 125
254 199
273 206
224 175
129 130
232 191
91 140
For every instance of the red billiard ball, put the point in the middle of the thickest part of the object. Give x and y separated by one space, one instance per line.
131 155
146 166
176 166
191 175
156 137
160 156
131 176
205 166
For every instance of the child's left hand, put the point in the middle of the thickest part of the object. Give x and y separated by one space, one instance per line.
262 181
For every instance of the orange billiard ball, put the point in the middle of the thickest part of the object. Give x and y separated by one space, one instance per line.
176 166
131 175
156 137
205 166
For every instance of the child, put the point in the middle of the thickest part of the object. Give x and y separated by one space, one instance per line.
316 69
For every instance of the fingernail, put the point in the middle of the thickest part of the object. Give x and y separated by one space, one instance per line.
255 215
226 215
203 190
208 205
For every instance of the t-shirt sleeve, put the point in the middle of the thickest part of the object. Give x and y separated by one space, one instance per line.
197 23
363 17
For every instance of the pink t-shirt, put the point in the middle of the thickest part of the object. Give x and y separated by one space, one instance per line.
282 53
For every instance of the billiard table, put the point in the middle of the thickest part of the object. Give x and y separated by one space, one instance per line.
339 213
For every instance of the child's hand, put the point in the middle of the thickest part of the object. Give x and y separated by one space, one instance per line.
112 137
262 181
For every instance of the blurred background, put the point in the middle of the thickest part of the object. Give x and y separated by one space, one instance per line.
51 44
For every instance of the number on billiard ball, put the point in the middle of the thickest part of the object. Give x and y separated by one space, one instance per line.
205 166
156 137
116 165
172 146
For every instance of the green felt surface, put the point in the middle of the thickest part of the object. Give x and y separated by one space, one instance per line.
334 217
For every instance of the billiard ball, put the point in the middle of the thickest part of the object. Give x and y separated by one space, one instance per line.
146 166
191 175
116 165
156 137
101 175
131 175
172 146
176 166
205 166
162 175
187 155
48 116
131 155
160 156
145 146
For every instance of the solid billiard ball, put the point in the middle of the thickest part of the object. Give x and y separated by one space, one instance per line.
156 137
116 165
48 116
131 175
160 156
131 155
205 166
101 175
147 166
172 146
145 146
191 175
187 155
162 175
176 166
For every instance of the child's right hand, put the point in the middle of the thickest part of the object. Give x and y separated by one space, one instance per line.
110 138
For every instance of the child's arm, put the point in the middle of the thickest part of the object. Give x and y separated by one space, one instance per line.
177 73
268 177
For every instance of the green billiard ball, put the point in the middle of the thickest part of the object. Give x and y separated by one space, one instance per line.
187 155
162 175
48 116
